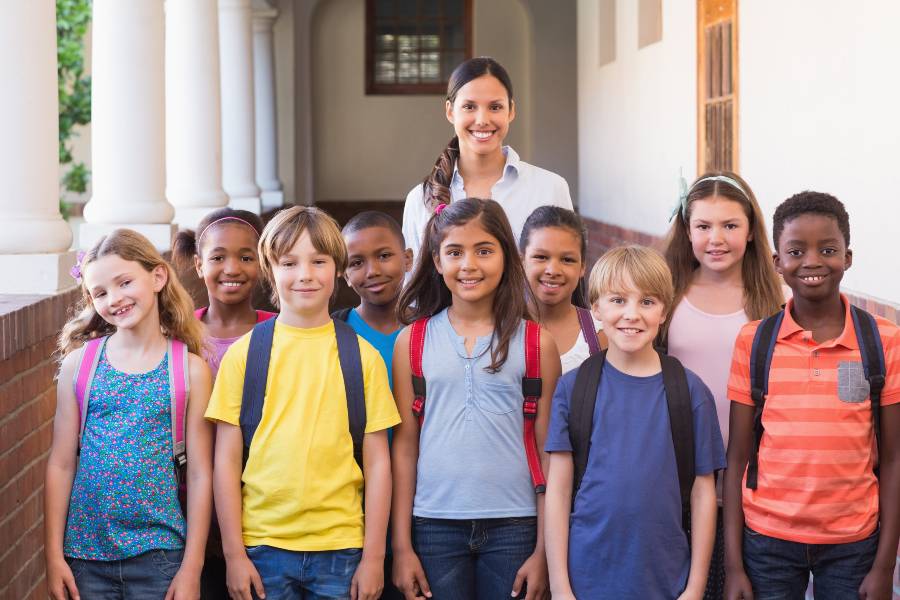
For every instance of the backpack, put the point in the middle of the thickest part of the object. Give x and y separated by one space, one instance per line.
341 314
179 389
257 371
678 399
871 353
531 390
587 329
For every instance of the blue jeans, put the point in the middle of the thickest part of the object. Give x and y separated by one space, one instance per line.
473 559
288 575
143 577
779 570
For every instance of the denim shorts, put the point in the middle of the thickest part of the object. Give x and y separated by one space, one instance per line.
143 577
779 569
473 559
292 575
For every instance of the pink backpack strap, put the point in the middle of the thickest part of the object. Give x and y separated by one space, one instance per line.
84 377
179 389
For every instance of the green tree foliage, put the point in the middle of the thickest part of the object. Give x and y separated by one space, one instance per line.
72 19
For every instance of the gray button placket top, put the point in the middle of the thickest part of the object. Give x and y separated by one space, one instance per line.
471 457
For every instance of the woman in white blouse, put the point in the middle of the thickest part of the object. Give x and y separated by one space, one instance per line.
475 162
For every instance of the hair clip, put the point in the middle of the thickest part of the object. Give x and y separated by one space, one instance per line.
439 208
75 271
681 206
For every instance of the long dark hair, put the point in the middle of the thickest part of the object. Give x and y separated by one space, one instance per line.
562 218
427 294
437 184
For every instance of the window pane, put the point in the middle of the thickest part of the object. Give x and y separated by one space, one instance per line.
430 8
456 36
385 68
430 67
453 9
408 72
407 9
384 8
430 42
385 42
450 61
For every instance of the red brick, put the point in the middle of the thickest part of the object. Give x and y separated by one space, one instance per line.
32 568
20 521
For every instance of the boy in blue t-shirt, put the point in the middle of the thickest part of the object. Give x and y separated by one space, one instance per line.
622 537
377 263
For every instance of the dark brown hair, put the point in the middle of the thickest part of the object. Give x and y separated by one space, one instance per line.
186 245
436 186
561 218
427 294
762 287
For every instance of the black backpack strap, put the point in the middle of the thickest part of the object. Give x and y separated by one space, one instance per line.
341 315
681 422
760 361
255 375
581 414
872 353
354 384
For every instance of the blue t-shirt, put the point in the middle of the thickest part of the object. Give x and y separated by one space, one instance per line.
383 342
625 535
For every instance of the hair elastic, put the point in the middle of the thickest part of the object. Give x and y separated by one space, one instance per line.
439 208
75 271
238 219
686 192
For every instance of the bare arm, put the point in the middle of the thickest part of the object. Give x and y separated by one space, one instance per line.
408 574
369 578
877 583
740 438
703 533
556 522
60 474
198 443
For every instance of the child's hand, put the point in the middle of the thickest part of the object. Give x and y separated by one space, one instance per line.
409 576
368 581
737 585
185 585
60 581
689 594
877 585
533 573
240 576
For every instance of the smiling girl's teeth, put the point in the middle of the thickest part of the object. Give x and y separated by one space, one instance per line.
232 283
550 285
482 135
813 278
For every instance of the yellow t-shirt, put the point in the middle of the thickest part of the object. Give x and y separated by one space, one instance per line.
302 488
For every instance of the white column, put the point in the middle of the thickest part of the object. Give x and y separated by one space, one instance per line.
34 238
266 122
238 137
128 123
193 110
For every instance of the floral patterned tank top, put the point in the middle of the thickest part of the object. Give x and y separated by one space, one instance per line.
125 497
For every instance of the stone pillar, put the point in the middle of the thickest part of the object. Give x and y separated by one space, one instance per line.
128 123
264 88
193 110
238 137
34 238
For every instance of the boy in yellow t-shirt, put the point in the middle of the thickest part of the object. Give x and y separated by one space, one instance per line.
292 521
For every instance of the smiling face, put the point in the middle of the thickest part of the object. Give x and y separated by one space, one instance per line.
304 280
228 262
719 231
631 318
553 264
481 114
377 263
471 262
812 257
123 292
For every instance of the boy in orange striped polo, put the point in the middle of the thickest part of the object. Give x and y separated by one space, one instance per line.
815 504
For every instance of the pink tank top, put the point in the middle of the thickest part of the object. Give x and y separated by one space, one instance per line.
214 348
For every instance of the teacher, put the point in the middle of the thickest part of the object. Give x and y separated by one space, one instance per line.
475 163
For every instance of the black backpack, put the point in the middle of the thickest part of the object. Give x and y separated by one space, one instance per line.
871 352
257 372
678 399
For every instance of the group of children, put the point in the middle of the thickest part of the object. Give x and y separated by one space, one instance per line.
398 449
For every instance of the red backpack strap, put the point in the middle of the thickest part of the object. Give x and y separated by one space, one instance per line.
587 329
179 390
531 391
416 348
84 378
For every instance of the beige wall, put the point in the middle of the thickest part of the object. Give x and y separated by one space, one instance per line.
378 147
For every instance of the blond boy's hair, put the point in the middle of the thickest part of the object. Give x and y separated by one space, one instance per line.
632 266
286 227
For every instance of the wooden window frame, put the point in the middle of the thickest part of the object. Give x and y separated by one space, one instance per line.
712 12
373 88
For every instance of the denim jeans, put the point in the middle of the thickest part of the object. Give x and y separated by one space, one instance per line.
143 577
291 575
473 559
779 570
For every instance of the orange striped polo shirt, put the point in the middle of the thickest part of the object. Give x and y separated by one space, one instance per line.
815 482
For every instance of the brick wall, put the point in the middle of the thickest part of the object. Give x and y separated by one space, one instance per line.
28 329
